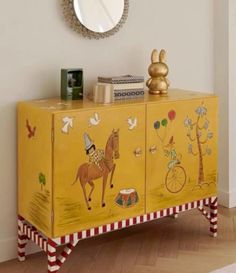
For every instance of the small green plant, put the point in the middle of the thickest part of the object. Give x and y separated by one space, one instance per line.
42 180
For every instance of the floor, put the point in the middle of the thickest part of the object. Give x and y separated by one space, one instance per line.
168 245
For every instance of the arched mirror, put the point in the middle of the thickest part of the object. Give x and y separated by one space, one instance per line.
96 18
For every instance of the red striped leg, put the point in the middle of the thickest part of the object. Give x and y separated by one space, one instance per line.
66 252
205 213
52 257
22 241
213 217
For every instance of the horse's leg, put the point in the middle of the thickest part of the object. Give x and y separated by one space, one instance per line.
105 175
85 197
112 173
92 188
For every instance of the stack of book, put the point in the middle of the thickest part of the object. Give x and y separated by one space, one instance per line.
124 87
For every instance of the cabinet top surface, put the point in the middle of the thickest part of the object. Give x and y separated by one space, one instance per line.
56 105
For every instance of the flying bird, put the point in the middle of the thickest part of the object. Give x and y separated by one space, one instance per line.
31 131
95 120
132 123
68 123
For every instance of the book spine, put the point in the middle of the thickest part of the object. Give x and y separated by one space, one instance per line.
128 94
125 86
120 81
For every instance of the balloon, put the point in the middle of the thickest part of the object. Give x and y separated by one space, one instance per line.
157 124
164 122
171 115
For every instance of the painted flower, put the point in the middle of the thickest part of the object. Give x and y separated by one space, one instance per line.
199 134
187 122
201 111
210 135
206 125
190 148
208 151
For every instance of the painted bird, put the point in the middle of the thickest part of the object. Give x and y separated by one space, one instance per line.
95 120
31 131
132 123
68 123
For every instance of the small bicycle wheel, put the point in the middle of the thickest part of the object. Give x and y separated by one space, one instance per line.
175 179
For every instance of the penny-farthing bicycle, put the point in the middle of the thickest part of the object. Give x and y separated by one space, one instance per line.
175 177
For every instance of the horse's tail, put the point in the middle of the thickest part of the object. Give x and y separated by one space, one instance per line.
81 172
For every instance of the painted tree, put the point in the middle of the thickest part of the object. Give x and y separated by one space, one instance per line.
199 134
42 180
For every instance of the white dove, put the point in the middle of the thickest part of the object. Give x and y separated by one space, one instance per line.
132 123
95 120
68 123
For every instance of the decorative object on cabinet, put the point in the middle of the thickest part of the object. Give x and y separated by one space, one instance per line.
96 19
156 177
158 70
103 93
124 87
72 84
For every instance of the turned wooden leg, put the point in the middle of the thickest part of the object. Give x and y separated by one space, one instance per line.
213 217
22 241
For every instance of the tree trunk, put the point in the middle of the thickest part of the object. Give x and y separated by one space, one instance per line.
201 170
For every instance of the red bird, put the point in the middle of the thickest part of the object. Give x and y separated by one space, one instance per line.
30 130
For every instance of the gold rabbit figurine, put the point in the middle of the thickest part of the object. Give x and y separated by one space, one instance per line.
158 70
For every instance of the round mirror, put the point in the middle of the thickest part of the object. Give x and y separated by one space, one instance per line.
99 15
96 18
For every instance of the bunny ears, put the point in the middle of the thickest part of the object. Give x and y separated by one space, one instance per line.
161 58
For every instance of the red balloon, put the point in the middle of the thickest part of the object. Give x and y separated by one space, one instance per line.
171 115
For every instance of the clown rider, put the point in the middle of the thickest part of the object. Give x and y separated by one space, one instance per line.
95 156
170 152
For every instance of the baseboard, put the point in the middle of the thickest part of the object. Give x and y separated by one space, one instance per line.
227 199
8 249
232 199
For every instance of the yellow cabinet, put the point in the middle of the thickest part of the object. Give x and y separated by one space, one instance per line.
82 165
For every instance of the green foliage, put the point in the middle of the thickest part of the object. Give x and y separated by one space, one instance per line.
42 179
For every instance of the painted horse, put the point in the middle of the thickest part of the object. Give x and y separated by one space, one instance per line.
88 172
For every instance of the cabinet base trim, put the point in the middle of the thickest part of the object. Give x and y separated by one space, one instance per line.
28 232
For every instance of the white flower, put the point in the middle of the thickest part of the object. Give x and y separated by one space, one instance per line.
210 135
187 122
208 151
206 125
190 148
201 111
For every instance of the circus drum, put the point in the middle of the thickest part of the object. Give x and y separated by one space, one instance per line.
127 198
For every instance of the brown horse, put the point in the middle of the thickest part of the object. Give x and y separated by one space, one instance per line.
88 172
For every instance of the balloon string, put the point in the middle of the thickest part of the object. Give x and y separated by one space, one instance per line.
159 137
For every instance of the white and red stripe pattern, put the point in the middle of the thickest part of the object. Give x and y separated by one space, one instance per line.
22 241
49 245
211 216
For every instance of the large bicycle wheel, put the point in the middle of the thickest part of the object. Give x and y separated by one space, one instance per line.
175 179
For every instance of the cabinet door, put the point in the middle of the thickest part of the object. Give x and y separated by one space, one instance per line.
99 167
181 152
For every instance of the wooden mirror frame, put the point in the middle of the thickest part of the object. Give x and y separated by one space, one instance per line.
76 25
